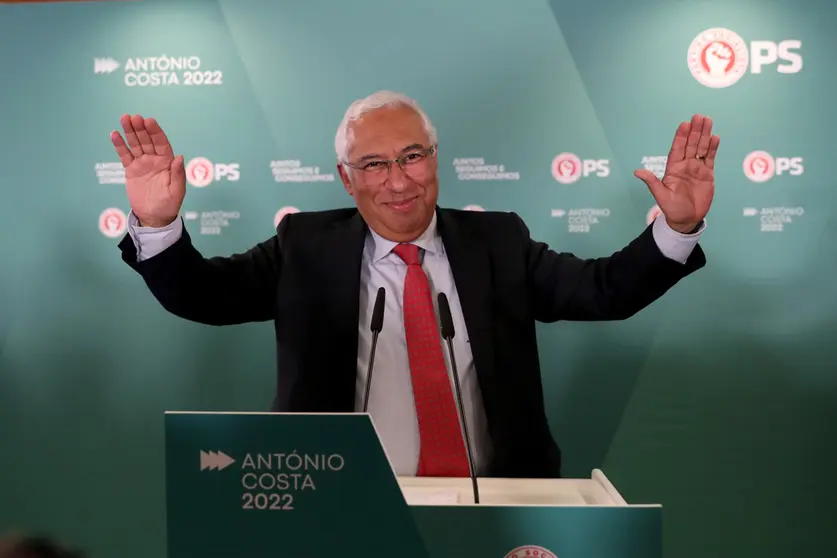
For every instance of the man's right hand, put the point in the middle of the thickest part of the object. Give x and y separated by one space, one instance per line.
155 178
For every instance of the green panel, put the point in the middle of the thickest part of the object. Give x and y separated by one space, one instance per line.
251 485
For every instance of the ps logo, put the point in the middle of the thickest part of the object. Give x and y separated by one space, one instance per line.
568 168
201 172
530 551
719 57
113 222
761 166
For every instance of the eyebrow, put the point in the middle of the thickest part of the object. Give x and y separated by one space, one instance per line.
410 147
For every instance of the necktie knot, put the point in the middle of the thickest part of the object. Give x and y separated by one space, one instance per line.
409 253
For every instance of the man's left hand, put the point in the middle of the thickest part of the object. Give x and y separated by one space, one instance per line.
685 193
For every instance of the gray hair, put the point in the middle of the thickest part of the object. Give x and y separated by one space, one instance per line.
374 101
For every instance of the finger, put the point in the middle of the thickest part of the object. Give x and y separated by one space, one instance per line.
121 148
657 188
178 173
705 136
714 142
131 135
678 146
161 143
138 122
694 136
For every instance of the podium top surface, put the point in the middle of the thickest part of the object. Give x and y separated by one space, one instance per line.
594 491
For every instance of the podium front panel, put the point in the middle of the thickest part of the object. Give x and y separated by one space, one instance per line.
258 485
541 531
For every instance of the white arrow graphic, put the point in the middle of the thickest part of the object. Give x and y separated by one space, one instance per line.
215 460
104 65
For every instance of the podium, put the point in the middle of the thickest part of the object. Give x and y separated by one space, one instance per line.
259 485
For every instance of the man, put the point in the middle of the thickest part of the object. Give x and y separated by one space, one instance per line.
317 279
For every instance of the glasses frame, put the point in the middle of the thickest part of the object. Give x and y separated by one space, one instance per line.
430 151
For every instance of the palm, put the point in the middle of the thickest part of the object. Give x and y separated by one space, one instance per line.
148 186
689 190
155 179
148 166
685 192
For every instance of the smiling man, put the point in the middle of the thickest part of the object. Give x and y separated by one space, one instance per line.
394 152
316 279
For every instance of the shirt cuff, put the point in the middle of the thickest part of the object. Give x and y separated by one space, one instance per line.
675 245
150 241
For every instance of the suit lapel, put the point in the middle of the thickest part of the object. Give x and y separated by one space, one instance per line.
470 262
345 252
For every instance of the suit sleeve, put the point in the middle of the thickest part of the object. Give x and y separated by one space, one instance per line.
216 291
563 286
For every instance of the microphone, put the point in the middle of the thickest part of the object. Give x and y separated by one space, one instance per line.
446 325
376 325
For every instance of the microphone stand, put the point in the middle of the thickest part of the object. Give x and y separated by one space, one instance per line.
376 325
458 389
369 371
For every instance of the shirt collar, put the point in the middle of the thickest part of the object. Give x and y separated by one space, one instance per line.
429 241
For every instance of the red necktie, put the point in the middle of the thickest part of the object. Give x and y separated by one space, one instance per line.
442 446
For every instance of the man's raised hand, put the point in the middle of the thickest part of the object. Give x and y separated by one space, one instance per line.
155 179
685 193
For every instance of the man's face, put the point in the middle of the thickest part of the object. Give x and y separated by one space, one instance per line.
398 206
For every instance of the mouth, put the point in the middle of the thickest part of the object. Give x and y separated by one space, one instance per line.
402 205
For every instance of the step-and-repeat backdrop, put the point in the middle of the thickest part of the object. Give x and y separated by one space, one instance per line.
719 402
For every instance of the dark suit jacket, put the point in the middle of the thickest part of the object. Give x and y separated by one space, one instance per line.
307 280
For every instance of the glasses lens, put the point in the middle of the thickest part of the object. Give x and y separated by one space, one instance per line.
376 175
418 166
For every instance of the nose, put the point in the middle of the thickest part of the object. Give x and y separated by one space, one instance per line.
398 180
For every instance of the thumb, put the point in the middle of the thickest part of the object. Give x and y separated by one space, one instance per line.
657 188
178 172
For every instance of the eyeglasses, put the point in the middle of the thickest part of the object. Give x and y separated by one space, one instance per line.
415 164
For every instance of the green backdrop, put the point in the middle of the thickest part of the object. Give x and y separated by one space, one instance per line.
720 401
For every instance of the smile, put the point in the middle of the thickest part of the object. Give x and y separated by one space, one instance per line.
404 205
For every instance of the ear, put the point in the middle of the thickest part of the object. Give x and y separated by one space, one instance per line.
344 176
